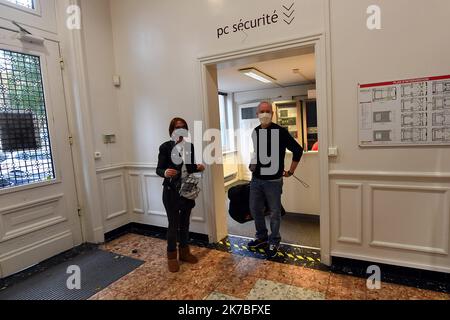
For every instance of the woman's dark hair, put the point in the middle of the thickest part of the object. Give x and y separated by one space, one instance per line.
173 123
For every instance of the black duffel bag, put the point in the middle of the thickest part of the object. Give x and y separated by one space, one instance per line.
240 204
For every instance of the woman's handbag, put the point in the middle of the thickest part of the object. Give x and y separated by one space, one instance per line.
189 187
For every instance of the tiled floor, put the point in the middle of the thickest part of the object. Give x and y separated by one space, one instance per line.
223 276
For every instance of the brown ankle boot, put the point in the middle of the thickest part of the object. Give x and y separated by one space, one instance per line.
172 260
186 256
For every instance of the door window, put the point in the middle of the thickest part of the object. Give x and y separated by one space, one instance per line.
25 151
30 4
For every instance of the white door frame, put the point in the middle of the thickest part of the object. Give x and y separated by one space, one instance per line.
216 213
75 79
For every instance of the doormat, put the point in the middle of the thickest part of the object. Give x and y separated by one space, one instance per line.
97 269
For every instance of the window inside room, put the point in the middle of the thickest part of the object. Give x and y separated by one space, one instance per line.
30 4
249 113
226 123
25 151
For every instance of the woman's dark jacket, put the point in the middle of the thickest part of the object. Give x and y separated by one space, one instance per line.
168 153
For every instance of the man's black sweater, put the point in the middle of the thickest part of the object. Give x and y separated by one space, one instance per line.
279 139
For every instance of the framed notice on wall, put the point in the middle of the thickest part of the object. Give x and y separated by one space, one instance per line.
406 112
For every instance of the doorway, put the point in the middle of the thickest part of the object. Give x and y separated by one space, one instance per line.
291 111
39 205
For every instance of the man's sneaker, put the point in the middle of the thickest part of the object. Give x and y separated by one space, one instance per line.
257 244
273 250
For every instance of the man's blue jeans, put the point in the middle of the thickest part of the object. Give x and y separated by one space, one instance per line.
262 192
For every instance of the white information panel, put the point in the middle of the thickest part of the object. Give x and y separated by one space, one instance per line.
405 112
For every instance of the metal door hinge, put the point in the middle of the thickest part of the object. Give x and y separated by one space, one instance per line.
71 140
79 210
61 63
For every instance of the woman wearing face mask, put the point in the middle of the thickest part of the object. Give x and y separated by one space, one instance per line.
176 160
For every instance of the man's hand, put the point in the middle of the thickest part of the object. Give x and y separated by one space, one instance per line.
288 174
170 173
291 172
201 168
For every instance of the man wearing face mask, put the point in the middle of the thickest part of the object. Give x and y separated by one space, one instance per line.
270 142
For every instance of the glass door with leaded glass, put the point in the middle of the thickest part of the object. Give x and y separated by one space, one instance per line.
38 200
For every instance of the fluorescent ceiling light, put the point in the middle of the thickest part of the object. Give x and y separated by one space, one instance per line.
257 75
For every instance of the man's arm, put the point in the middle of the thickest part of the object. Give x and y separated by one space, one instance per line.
254 154
297 151
292 170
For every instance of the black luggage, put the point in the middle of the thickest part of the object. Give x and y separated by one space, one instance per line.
240 204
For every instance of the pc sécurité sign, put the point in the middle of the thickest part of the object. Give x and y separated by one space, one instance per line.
284 14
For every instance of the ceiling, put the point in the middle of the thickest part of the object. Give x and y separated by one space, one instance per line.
280 68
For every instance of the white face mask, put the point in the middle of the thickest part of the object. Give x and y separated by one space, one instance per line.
265 118
179 134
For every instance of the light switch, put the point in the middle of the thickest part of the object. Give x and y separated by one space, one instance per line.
333 152
109 138
116 80
312 94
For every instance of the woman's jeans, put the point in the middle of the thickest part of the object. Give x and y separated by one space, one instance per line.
179 215
261 193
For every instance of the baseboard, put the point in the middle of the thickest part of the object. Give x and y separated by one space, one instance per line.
305 216
145 229
407 276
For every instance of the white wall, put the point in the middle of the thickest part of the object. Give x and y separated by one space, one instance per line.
157 45
384 208
104 113
409 45
99 49
296 198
